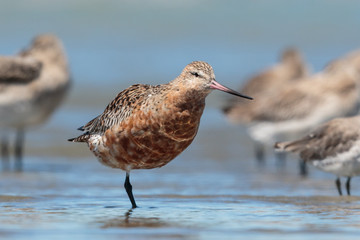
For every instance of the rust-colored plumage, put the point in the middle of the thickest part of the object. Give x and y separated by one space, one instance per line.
147 126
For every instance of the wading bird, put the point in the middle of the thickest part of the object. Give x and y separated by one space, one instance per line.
147 126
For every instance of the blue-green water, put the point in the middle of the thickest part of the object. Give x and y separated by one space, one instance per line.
214 189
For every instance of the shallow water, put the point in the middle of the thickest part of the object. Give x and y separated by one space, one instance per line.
206 193
214 189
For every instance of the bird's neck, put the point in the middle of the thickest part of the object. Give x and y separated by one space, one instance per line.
186 98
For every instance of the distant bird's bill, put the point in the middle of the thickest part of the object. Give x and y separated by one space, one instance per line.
218 86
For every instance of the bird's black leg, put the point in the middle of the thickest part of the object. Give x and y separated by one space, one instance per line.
348 185
260 152
5 153
338 185
128 189
303 168
19 144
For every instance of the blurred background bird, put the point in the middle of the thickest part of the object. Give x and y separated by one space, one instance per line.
33 83
265 87
302 105
333 147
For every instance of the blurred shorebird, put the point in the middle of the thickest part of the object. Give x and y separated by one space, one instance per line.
333 147
299 107
266 85
32 85
147 126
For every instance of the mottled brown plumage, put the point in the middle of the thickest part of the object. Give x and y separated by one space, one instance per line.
147 126
328 140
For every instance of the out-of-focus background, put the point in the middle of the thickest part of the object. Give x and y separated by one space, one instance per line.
215 187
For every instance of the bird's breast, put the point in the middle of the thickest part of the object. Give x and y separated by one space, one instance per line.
151 138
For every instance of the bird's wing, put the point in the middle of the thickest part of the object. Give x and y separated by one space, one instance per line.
19 69
330 139
119 109
290 104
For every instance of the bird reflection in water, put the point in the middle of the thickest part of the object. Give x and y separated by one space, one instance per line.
128 221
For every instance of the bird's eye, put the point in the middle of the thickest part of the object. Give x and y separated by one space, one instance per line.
195 74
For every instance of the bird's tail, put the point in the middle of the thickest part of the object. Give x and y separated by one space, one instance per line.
293 146
81 138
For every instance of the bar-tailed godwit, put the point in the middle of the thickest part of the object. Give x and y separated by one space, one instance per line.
147 126
32 85
265 86
333 147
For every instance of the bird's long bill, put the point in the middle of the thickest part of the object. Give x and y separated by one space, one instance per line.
218 86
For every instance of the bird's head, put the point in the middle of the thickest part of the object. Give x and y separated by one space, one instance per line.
199 76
